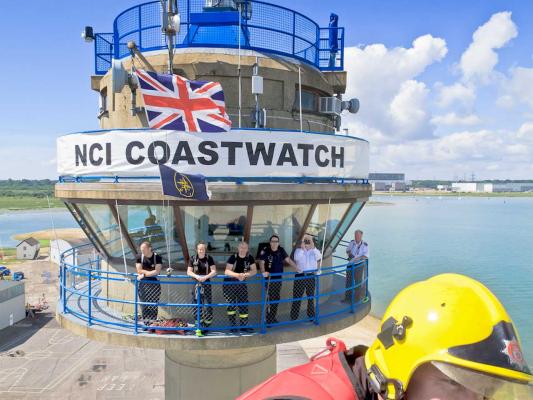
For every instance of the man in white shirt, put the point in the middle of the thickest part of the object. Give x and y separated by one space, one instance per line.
356 252
306 258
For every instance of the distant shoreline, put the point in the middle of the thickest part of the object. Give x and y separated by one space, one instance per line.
454 194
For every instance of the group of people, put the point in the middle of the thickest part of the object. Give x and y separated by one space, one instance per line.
241 266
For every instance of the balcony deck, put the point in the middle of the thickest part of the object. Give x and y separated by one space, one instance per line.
89 308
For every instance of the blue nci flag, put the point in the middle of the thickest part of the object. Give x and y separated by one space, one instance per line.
183 186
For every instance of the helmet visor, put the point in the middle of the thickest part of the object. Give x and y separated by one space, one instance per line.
486 386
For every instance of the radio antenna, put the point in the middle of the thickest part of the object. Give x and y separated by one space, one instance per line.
170 26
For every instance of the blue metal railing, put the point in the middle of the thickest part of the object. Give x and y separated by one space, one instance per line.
264 27
235 179
112 299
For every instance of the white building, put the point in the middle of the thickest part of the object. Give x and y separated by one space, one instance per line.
387 181
491 187
59 246
508 187
12 303
28 249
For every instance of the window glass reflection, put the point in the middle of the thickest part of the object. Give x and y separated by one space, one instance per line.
156 224
345 224
221 227
283 220
324 222
103 223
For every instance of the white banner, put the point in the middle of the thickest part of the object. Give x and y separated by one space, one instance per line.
238 153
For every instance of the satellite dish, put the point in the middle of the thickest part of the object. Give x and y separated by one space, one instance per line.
119 76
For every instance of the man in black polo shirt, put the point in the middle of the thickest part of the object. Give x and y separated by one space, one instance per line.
272 259
239 268
202 268
148 266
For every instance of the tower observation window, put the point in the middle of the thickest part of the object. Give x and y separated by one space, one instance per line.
310 100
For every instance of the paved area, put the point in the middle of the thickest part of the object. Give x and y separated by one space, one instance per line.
39 360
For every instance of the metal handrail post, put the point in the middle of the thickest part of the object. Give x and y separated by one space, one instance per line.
89 299
62 273
198 289
342 50
136 308
317 299
352 284
263 304
365 279
293 33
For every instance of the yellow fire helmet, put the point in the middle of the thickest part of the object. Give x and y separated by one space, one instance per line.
458 325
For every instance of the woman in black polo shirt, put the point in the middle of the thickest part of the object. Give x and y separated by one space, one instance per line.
148 266
239 267
202 268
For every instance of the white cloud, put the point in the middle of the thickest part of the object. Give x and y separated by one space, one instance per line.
456 94
525 132
487 153
384 80
518 88
478 61
408 110
453 119
400 114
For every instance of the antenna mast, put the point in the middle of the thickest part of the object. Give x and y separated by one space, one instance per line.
170 26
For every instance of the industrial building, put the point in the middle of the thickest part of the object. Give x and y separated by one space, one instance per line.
12 303
385 182
491 187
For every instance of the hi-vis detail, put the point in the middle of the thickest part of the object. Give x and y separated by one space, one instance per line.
243 153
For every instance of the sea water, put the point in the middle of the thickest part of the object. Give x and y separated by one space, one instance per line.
489 239
16 222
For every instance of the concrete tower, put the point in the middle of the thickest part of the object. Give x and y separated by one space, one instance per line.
281 169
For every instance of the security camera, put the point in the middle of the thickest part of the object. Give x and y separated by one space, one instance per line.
88 34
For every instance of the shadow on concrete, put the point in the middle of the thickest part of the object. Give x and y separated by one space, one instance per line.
22 331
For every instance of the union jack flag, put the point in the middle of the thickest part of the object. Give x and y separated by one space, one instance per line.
173 102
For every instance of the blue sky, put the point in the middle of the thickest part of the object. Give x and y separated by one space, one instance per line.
435 101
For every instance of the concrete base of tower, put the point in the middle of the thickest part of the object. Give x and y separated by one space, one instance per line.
216 374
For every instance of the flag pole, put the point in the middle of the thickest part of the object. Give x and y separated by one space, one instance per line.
300 95
121 241
325 232
239 64
54 231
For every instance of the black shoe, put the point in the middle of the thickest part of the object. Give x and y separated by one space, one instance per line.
247 330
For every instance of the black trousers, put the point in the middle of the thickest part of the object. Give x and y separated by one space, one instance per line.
150 292
360 292
206 297
236 293
302 286
274 293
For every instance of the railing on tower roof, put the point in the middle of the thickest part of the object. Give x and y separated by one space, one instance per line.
264 27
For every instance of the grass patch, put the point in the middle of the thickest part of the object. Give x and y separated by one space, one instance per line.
8 256
27 203
8 251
